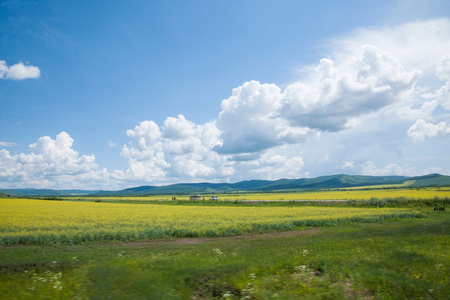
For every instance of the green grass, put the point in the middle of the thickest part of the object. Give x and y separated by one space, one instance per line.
395 260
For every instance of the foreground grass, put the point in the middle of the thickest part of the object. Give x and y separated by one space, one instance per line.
396 260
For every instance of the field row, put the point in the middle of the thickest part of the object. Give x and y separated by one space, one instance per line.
341 194
27 221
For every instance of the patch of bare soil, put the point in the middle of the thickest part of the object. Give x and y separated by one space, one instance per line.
195 241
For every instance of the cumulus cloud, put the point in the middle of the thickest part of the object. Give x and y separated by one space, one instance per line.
18 71
178 149
259 116
53 163
369 168
418 44
442 95
443 69
49 159
249 121
272 165
371 81
421 130
145 156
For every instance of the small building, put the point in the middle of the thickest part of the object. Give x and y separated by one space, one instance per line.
195 197
213 198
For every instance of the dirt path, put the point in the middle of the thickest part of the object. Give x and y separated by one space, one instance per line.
195 241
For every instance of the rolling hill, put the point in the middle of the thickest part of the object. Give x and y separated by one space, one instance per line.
323 182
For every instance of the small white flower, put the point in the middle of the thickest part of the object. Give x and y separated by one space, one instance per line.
217 251
300 268
227 294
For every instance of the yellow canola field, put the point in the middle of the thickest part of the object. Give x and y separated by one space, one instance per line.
26 221
341 194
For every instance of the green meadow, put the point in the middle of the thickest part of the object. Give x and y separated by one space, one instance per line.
395 259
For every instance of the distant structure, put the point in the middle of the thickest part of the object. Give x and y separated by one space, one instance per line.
199 197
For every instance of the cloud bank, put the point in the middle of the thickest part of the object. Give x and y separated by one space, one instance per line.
49 160
379 95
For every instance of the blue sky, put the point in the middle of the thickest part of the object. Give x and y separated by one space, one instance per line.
113 94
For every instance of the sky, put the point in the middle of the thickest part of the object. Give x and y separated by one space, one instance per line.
116 94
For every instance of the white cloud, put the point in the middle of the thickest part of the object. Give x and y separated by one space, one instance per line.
347 164
443 69
369 168
7 144
248 121
178 128
421 130
257 117
180 149
51 161
270 166
335 96
112 144
442 95
145 156
18 71
418 44
189 155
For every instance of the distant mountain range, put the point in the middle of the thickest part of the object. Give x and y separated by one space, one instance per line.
323 182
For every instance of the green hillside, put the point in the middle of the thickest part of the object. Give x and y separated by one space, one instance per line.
431 180
322 182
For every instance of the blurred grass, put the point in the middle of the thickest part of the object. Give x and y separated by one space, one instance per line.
393 260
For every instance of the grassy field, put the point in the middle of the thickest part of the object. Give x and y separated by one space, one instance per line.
383 186
28 221
224 250
393 260
361 193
